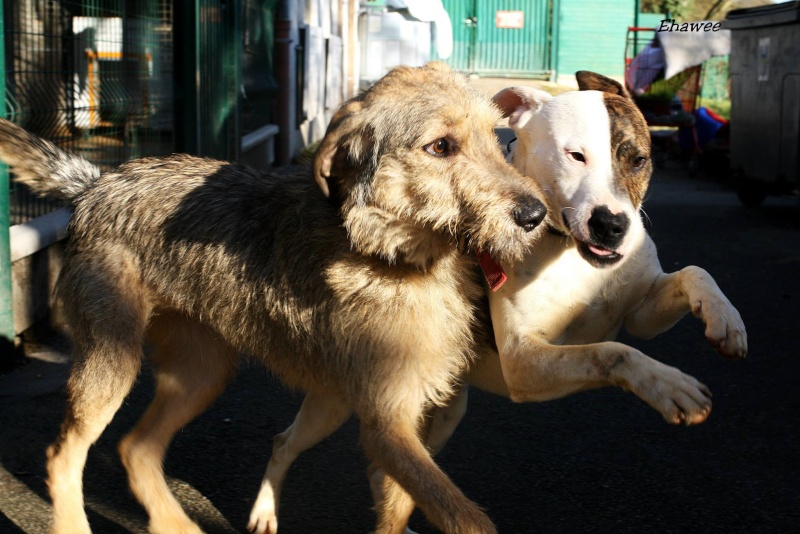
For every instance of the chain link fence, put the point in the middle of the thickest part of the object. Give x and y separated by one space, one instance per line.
93 76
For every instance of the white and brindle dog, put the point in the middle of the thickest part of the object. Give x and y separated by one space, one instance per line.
557 312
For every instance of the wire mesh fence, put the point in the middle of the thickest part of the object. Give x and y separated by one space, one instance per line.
93 76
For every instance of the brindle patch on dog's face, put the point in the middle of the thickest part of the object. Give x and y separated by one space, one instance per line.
415 165
630 142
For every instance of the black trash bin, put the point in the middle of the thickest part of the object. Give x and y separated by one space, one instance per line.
765 99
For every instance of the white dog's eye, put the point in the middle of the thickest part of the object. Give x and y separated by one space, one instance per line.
440 148
576 156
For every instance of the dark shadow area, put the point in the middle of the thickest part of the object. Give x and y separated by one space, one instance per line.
8 527
12 355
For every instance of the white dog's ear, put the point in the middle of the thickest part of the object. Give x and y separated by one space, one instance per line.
591 81
520 103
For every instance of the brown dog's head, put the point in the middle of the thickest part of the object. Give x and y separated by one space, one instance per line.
590 152
415 165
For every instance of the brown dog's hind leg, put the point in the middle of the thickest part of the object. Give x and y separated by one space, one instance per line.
107 324
192 367
95 393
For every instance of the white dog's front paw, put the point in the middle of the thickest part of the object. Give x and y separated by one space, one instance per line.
724 326
263 517
679 398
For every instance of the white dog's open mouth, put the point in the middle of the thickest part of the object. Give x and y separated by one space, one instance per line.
595 255
598 256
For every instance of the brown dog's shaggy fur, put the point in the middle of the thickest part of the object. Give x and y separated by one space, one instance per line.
366 294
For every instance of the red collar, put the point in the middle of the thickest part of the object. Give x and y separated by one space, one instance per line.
492 271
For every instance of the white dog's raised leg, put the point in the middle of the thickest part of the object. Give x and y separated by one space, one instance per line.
319 417
691 288
536 371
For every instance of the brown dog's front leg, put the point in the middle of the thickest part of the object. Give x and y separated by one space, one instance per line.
691 288
537 371
396 449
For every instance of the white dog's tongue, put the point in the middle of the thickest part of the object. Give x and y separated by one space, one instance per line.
600 251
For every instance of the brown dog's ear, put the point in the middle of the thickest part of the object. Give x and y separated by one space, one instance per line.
591 81
328 154
516 102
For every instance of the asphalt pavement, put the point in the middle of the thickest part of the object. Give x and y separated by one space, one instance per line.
600 461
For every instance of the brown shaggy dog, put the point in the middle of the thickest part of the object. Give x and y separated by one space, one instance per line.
356 286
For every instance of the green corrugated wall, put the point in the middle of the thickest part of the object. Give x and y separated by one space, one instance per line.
591 35
480 47
560 36
505 51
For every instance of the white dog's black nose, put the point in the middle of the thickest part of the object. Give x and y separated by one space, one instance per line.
530 213
607 229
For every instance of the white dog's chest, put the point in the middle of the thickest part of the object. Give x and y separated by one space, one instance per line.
561 298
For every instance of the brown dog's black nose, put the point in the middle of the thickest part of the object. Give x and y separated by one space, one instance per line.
530 213
606 229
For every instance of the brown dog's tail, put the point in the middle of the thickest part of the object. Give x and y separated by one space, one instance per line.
42 166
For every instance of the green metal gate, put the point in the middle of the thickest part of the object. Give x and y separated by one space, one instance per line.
6 311
501 38
113 80
208 77
93 76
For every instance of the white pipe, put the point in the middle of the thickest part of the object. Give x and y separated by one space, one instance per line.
39 233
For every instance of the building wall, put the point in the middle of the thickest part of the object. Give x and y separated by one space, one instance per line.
591 36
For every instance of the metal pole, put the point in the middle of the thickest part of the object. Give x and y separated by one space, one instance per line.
231 135
6 300
286 102
636 8
186 45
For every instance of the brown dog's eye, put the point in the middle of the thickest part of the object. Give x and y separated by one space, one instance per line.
440 147
639 162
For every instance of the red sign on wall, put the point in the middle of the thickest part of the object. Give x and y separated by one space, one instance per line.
509 19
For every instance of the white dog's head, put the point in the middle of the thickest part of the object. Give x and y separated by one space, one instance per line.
590 152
